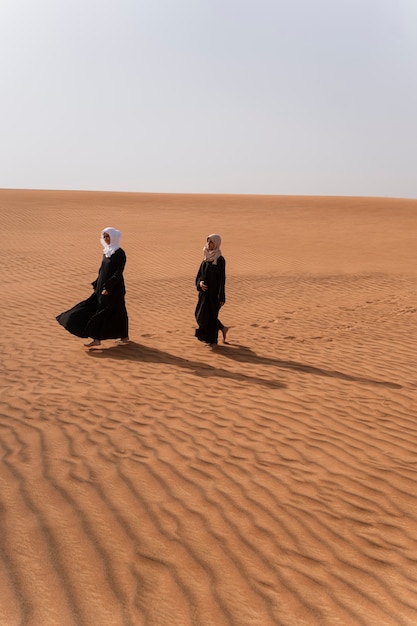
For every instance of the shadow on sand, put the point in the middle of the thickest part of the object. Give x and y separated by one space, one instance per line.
244 354
241 354
138 352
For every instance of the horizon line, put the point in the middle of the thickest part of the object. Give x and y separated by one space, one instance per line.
203 193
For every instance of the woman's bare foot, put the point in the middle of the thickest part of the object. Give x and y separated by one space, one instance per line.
225 330
122 341
92 344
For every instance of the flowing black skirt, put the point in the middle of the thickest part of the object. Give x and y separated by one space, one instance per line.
90 318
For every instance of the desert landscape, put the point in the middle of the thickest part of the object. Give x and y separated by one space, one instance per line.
269 481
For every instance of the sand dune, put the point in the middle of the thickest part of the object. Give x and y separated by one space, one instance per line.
270 482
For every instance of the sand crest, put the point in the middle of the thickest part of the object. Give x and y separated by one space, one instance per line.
269 482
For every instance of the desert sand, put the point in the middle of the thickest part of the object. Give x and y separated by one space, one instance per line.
270 481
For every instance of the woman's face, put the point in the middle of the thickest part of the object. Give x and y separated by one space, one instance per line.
106 238
210 244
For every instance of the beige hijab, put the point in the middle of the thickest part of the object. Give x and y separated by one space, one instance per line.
212 255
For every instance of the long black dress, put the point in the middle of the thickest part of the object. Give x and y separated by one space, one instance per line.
208 305
101 317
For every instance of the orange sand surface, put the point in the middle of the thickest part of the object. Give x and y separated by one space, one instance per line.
270 481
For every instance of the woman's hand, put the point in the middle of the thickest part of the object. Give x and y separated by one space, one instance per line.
203 285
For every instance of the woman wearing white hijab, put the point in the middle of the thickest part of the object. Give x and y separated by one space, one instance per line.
210 283
103 315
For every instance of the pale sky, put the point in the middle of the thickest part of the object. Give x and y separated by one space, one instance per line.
310 97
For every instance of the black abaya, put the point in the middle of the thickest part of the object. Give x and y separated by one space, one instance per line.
208 305
101 317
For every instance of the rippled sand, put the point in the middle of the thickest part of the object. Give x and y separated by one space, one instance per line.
270 482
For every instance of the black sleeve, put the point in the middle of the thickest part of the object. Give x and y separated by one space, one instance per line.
94 283
221 264
199 277
119 262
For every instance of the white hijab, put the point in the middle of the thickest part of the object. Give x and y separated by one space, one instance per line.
114 235
213 255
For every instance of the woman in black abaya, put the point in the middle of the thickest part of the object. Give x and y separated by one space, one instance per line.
103 315
210 283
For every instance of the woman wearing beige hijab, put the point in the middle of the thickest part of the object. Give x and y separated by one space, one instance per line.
210 283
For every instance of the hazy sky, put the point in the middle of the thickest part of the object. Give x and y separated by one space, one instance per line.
218 96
